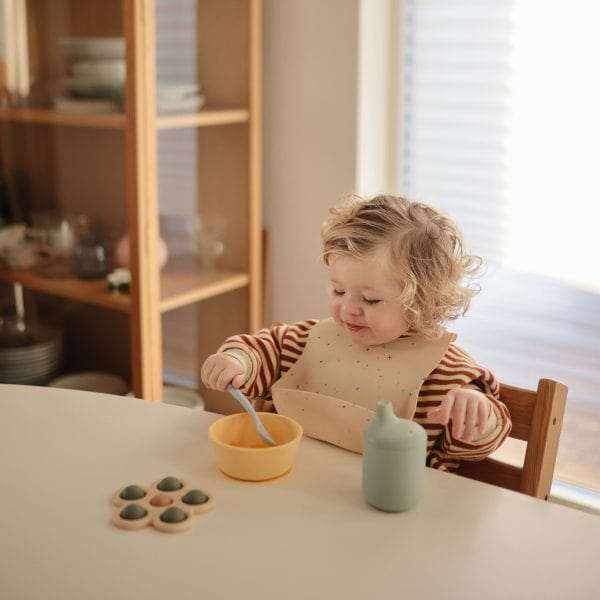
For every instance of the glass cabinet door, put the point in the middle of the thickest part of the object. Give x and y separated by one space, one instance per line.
206 90
130 139
63 177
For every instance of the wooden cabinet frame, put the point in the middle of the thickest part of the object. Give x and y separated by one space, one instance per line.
152 292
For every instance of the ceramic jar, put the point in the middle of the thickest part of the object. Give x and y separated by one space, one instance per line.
122 258
394 453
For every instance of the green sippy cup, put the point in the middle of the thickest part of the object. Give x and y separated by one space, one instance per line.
394 452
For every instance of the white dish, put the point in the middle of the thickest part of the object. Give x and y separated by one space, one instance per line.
91 88
182 397
86 106
93 47
176 91
92 381
104 70
12 235
191 104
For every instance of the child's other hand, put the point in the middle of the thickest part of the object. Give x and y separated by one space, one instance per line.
220 369
469 410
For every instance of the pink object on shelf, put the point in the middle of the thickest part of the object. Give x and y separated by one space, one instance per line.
122 252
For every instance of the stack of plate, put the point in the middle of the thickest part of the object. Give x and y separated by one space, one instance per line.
31 356
180 396
172 97
95 81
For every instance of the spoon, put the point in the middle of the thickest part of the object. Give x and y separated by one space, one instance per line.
264 434
13 333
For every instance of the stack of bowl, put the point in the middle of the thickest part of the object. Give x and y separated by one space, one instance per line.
95 74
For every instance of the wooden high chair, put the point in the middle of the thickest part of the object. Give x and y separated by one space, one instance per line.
536 419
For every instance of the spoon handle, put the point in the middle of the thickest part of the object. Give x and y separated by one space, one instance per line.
264 434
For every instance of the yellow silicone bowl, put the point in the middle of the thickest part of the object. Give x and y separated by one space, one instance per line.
242 454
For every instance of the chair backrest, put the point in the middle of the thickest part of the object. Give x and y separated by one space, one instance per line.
537 420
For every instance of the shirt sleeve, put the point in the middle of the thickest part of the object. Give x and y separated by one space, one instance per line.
268 354
458 370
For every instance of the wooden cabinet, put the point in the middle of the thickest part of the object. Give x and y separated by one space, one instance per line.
125 169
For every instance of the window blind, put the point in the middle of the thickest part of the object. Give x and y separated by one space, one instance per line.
500 130
455 124
176 63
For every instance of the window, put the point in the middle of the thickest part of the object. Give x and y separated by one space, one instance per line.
500 128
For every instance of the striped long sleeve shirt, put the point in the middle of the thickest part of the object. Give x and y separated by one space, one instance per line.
271 352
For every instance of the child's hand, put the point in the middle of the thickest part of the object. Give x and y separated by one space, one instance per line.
470 412
220 369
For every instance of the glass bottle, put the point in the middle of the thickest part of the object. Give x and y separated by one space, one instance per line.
89 258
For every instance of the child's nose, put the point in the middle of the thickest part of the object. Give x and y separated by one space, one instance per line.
352 307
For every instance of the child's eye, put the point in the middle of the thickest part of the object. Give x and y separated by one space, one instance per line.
370 302
338 292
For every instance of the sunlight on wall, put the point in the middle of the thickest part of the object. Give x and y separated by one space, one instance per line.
554 142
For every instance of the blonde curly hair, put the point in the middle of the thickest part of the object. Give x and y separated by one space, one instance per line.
424 248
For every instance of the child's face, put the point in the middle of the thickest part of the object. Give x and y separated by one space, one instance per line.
361 300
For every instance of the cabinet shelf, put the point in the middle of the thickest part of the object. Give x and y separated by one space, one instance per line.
204 118
182 283
53 117
88 292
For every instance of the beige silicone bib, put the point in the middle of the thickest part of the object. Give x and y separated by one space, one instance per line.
333 389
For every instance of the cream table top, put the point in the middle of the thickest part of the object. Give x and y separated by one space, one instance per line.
307 535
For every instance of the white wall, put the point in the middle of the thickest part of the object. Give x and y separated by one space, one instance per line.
310 137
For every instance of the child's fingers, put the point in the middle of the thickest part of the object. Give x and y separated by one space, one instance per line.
222 380
471 417
218 370
458 415
238 380
212 380
207 369
441 414
483 412
468 416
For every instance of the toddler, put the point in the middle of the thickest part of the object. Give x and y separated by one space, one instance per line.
397 272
